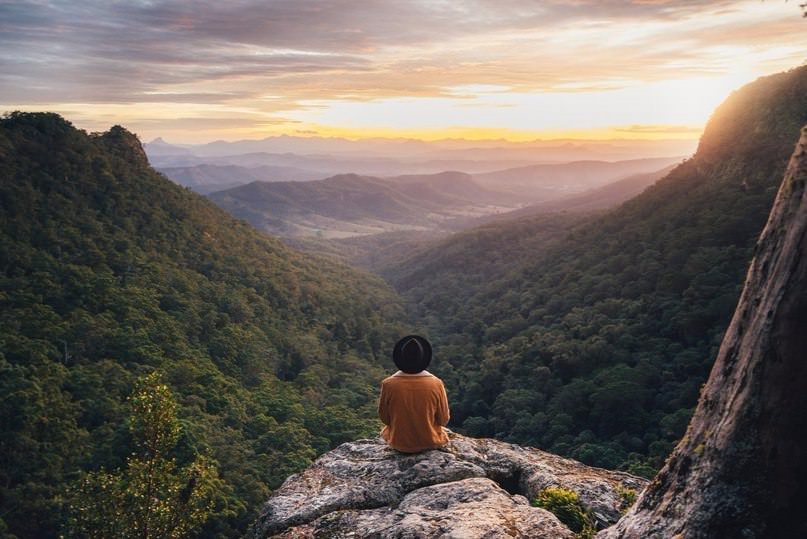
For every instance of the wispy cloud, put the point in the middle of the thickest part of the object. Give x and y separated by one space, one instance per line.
656 129
302 52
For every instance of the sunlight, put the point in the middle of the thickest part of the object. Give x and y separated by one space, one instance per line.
518 116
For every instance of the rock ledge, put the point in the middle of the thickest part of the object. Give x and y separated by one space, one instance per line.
472 488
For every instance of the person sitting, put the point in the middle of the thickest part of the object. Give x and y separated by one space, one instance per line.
413 404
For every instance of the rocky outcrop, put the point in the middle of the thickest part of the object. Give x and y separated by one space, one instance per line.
741 471
472 488
463 509
124 144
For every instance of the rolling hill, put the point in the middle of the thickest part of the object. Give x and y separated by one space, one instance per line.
599 198
376 252
545 182
349 204
206 179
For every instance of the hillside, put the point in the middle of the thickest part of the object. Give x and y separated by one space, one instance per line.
552 181
599 198
596 345
350 205
209 178
110 271
738 472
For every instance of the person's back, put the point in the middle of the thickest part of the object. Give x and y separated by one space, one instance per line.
413 403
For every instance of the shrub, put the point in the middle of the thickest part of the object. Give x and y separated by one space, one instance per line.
565 504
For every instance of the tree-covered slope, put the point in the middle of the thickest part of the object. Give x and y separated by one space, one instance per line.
595 346
108 271
349 204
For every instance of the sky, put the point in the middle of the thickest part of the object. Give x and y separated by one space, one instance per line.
197 71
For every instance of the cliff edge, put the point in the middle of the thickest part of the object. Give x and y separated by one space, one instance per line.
472 488
740 471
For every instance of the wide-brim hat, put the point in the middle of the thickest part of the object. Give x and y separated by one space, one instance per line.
412 354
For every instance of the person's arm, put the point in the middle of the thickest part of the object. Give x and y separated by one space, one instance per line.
442 414
383 407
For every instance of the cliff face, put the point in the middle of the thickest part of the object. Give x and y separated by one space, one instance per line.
740 470
472 488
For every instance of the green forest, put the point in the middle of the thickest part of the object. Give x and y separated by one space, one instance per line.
142 327
594 341
111 272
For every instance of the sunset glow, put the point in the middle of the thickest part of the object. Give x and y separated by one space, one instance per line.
195 72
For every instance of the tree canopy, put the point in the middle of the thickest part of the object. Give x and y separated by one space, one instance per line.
108 272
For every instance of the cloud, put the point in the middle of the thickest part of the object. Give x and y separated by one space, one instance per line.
659 129
301 52
214 123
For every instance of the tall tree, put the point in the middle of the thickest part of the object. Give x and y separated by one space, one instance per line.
152 497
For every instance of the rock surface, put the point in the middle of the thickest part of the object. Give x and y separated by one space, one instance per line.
740 471
463 509
472 488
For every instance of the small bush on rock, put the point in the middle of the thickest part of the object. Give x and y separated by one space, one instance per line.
565 504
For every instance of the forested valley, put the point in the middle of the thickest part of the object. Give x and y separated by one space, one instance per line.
593 341
588 336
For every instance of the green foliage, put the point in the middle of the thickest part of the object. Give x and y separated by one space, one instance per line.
565 504
109 271
153 423
4 531
151 497
627 496
590 336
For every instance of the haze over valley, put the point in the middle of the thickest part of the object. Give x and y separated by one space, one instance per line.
290 196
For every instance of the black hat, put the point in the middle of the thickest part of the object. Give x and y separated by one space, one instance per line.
412 354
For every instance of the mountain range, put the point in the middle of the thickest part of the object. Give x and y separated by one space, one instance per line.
543 182
289 158
352 205
546 151
206 179
599 198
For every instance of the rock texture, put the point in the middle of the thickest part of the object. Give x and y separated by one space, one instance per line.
463 509
741 471
472 488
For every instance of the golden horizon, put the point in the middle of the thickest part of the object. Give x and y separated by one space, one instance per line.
638 71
